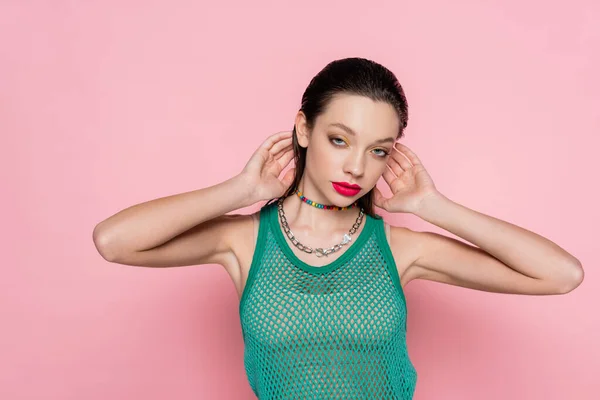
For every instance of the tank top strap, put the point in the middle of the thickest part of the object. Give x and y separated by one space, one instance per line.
388 256
259 248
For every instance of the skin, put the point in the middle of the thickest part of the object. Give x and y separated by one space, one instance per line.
335 155
503 258
195 228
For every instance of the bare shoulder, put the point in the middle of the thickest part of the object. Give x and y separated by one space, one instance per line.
240 232
405 246
240 237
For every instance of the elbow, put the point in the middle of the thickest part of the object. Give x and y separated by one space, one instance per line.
102 244
576 278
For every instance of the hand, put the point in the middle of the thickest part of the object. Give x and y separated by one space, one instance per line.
409 181
264 167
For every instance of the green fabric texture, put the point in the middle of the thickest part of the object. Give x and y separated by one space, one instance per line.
336 331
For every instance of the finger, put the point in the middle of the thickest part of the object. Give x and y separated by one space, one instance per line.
412 157
271 140
288 178
286 157
388 176
283 151
395 166
280 145
401 159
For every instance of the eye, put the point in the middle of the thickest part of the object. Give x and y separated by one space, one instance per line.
337 144
383 153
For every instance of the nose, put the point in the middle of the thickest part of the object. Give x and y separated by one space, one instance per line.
354 164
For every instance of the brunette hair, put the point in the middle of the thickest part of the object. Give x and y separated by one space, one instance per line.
354 76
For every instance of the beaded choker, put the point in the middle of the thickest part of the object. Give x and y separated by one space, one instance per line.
323 206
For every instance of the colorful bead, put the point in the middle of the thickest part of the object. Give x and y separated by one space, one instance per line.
323 206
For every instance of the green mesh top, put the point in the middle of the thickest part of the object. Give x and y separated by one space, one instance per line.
336 331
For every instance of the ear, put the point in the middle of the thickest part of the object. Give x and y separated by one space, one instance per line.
302 132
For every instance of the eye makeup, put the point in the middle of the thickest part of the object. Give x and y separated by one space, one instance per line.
333 139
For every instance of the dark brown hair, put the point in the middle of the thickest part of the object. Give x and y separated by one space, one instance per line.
354 76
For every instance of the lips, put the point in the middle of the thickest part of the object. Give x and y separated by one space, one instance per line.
346 189
348 185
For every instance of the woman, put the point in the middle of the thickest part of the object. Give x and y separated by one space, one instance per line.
320 276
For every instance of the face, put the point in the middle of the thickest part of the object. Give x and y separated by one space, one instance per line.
350 143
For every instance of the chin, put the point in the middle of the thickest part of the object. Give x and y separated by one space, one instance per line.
344 201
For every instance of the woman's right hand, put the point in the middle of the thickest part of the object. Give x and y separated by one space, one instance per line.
264 167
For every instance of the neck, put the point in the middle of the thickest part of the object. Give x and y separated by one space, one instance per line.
308 219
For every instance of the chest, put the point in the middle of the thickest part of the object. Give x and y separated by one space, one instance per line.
287 306
400 252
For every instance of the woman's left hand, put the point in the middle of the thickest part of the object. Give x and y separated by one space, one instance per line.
409 181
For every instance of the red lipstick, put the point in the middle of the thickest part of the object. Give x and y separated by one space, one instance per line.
346 189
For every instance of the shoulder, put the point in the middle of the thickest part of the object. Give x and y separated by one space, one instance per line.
240 236
244 229
406 246
241 227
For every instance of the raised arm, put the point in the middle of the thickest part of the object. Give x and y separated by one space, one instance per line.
183 229
192 228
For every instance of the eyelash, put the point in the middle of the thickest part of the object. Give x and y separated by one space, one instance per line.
385 152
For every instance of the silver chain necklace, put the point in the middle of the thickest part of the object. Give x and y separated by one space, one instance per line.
319 252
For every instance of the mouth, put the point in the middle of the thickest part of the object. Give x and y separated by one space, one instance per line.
346 189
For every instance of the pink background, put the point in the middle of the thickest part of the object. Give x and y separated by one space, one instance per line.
106 104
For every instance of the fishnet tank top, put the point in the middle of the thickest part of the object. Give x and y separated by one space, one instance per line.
336 331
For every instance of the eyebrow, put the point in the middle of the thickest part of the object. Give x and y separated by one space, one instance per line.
351 132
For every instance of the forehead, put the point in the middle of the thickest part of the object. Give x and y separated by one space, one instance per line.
368 118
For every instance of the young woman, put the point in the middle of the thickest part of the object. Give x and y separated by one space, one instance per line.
319 274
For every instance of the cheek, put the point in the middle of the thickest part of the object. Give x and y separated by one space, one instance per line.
323 159
381 166
377 171
315 163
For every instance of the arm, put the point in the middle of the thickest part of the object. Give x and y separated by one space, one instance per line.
191 228
508 259
184 229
